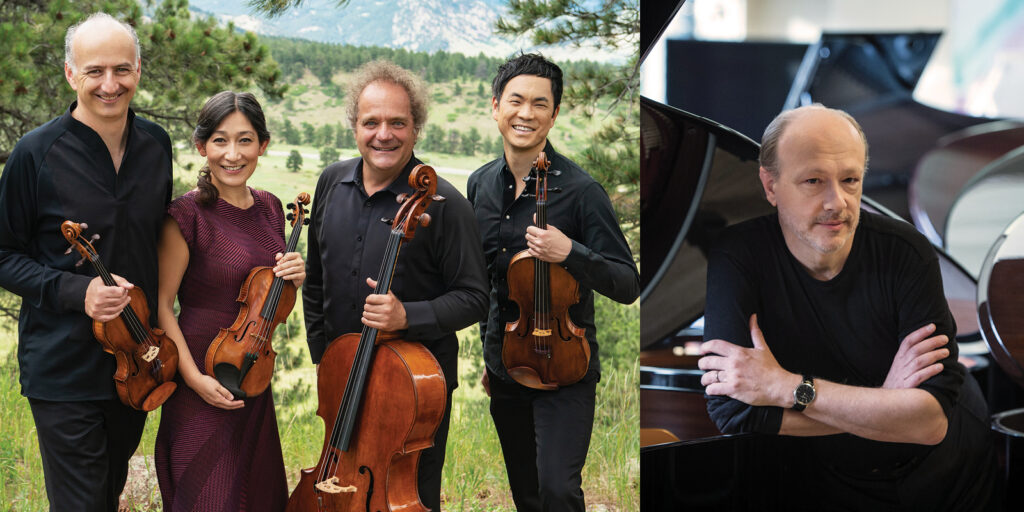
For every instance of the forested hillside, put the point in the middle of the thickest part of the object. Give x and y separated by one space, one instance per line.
324 60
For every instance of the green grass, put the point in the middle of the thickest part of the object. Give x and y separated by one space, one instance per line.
21 469
474 476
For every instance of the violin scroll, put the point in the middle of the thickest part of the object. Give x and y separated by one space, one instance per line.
298 211
72 232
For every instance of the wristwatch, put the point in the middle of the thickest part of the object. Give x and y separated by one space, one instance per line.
804 394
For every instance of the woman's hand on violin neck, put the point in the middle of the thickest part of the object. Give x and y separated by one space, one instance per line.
291 267
384 312
103 303
213 393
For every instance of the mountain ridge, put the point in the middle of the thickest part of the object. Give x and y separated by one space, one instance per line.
460 26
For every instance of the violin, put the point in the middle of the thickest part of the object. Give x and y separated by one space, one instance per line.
543 349
146 358
241 357
381 399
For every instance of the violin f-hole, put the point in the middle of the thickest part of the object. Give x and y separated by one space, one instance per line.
245 332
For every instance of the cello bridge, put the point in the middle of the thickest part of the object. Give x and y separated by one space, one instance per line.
151 354
542 332
331 486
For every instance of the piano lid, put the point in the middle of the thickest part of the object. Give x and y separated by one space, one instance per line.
697 177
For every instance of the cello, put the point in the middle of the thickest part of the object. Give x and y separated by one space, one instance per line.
543 349
241 357
146 358
381 399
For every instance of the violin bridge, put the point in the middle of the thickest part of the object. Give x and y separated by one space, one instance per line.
151 354
542 332
330 486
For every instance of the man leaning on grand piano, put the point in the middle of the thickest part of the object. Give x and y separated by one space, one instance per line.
829 323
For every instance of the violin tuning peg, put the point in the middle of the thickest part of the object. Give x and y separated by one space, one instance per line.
555 189
386 220
424 219
555 173
305 221
289 217
438 198
290 206
79 264
68 251
83 225
401 197
528 177
94 237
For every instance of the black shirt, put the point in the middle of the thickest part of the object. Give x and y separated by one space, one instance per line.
847 330
63 171
439 277
600 259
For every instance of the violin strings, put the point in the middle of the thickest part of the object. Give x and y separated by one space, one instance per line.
127 314
542 281
265 328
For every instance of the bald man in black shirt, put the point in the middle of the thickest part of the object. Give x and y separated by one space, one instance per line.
805 312
99 164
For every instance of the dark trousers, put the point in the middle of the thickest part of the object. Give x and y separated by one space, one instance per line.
85 447
544 438
432 462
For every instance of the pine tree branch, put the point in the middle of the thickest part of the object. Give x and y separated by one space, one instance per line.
275 8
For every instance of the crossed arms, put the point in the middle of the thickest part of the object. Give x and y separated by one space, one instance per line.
896 412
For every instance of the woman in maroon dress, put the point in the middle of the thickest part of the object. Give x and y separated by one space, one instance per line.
215 452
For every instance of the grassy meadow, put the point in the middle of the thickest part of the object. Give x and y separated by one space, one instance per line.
474 475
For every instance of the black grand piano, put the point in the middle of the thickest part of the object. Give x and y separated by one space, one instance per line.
699 177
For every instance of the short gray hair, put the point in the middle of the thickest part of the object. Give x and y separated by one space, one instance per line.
69 54
769 155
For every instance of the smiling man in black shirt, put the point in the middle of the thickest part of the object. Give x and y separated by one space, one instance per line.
544 435
805 312
439 283
101 165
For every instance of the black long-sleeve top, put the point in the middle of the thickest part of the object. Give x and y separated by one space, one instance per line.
600 258
848 330
63 171
439 277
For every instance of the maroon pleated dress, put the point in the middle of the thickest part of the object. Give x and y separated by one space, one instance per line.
207 458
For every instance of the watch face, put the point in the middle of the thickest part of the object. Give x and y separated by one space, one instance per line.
804 393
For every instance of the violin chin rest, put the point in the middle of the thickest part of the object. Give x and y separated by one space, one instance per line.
231 378
530 378
158 396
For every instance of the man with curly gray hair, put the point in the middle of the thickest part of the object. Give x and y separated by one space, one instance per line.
440 285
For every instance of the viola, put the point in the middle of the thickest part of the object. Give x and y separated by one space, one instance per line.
543 349
381 399
242 357
146 358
